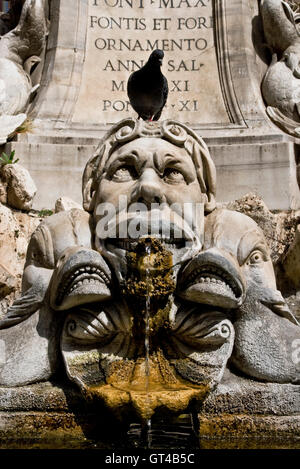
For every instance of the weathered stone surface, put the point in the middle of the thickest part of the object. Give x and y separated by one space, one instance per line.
267 168
291 262
150 21
65 203
238 395
20 187
212 74
40 332
59 165
248 432
239 413
8 282
34 430
246 148
293 301
279 227
243 414
233 272
15 231
280 230
3 193
41 397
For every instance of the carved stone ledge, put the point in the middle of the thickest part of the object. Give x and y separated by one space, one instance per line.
238 414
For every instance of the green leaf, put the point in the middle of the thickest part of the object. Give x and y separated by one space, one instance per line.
8 159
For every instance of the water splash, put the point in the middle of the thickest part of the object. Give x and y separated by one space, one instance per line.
168 433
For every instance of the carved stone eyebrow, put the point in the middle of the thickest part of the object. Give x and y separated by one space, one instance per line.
162 158
131 157
166 159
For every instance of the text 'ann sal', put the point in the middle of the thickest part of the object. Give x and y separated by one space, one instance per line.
173 66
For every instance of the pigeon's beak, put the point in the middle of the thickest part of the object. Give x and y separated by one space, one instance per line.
160 61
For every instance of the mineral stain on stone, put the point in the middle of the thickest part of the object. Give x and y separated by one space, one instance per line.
158 265
165 392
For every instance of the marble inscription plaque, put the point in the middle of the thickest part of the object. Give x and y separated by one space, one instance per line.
121 34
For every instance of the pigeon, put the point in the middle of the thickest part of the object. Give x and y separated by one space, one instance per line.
147 88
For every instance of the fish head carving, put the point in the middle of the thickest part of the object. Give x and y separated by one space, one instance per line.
213 277
81 276
235 258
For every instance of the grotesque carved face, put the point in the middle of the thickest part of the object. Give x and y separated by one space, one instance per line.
150 170
159 179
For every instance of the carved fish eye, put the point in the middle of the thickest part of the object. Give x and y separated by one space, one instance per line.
256 257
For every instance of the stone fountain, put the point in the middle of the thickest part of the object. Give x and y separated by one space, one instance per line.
151 294
150 303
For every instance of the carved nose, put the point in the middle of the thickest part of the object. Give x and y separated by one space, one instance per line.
149 188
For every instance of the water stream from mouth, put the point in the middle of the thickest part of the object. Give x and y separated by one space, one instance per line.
147 340
154 429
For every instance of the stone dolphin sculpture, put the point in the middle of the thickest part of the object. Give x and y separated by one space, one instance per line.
281 83
278 16
243 283
19 51
29 337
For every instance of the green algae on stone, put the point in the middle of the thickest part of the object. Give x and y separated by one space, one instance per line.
149 274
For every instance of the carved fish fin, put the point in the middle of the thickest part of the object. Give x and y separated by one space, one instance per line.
274 301
21 309
282 309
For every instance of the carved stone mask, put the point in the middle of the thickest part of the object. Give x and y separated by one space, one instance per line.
149 179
